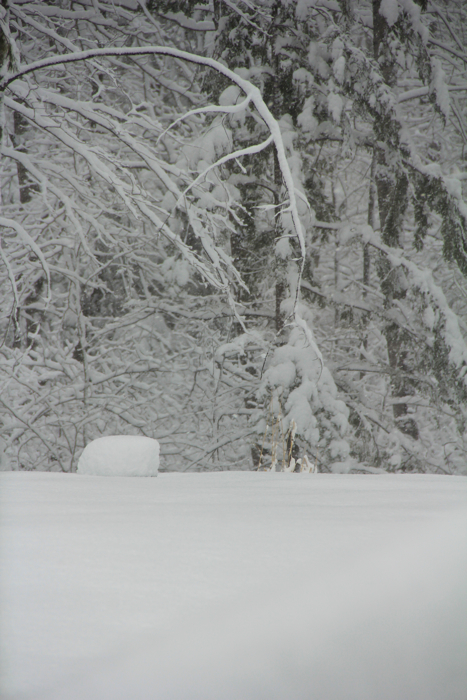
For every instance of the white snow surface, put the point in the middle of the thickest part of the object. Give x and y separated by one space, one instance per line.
233 586
120 455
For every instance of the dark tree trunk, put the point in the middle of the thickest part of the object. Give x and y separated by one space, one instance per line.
26 187
26 321
391 190
277 110
281 285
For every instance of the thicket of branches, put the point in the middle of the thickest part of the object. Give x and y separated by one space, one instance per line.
236 227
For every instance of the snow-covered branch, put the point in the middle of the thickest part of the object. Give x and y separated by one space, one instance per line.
251 90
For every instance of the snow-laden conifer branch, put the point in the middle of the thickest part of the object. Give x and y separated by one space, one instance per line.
445 196
423 280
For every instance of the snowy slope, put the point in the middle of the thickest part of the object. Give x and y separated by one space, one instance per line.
233 586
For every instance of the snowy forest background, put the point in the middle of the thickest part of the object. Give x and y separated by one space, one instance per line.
236 227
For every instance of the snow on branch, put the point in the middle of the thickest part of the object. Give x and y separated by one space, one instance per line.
138 201
245 85
256 148
70 207
423 280
30 242
188 23
11 276
227 109
445 193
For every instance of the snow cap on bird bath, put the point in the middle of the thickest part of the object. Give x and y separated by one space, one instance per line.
120 455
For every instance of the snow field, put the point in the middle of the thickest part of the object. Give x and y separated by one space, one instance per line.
233 585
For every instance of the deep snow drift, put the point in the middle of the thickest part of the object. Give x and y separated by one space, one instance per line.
223 586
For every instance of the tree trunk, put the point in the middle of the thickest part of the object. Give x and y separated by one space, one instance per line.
26 187
24 323
278 110
391 189
281 285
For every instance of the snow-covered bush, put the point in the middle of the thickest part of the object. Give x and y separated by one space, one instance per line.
120 455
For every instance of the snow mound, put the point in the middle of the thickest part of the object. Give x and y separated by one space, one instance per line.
120 455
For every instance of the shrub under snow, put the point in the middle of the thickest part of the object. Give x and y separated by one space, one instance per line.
120 455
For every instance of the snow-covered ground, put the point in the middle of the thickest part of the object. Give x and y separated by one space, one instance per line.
234 585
